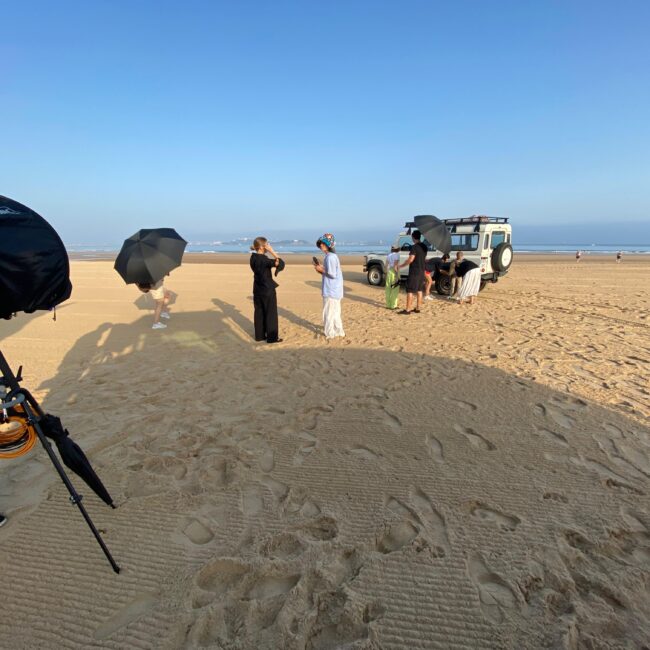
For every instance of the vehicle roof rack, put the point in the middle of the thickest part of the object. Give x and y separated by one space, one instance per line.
475 219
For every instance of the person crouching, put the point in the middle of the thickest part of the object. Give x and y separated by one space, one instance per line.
161 297
471 278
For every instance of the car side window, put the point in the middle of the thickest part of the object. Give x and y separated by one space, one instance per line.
498 237
405 243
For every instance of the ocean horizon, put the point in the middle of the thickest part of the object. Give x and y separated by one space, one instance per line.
361 248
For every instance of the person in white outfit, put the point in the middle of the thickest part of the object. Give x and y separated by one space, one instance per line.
161 298
332 287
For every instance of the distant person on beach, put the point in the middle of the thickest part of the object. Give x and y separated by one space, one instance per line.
470 273
415 279
431 272
265 299
392 278
161 297
619 255
578 255
331 287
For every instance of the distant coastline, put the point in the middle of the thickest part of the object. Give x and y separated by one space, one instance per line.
300 247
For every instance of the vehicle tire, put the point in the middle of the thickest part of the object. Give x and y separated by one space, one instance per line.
443 285
502 257
482 285
375 275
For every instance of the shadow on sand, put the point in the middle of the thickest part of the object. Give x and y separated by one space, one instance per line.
281 493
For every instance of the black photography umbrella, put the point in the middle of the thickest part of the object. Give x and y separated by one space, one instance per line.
73 457
149 255
34 267
35 274
434 231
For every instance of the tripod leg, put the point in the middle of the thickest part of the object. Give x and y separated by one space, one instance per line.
75 497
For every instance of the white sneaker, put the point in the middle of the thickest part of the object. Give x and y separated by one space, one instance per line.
428 297
158 326
164 314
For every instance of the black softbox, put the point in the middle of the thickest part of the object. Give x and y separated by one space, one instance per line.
34 267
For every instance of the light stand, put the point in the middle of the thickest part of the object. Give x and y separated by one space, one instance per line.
17 396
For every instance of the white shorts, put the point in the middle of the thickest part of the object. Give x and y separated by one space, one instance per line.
158 294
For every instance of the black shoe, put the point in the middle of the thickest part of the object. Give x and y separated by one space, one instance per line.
3 520
262 339
404 312
416 311
276 341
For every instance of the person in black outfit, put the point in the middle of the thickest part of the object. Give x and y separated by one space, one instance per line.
415 278
264 298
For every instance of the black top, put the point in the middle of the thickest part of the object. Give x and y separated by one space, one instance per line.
419 251
463 267
263 282
433 264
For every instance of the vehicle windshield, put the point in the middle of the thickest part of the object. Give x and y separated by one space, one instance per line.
464 242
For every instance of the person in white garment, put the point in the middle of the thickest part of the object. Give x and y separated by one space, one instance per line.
332 287
161 297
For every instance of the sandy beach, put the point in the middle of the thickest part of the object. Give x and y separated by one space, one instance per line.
470 477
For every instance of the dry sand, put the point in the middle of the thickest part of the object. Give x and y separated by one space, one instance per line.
473 477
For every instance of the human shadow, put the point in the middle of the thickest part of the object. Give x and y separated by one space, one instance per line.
215 448
11 326
230 311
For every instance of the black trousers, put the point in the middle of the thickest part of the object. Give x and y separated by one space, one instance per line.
266 316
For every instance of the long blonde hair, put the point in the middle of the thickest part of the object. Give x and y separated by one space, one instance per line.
258 243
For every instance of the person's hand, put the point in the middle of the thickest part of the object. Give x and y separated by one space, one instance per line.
319 268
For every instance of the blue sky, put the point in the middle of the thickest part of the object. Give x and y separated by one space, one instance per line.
238 117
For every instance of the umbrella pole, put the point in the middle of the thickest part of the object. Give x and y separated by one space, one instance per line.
29 404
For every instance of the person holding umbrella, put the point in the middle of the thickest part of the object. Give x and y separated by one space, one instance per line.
145 259
264 296
161 297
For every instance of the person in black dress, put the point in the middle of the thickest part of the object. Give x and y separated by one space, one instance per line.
264 298
415 279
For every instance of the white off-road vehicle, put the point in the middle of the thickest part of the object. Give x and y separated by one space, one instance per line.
486 241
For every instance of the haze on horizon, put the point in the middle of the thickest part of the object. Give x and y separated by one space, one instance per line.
226 119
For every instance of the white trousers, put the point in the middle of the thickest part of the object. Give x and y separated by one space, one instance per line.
332 317
471 284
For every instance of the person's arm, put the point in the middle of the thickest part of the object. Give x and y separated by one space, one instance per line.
408 262
274 262
327 268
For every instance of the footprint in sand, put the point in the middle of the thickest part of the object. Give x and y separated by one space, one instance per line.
475 439
434 522
556 414
197 532
434 447
140 605
364 453
466 406
553 436
252 500
609 477
420 515
284 546
495 595
308 444
492 515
